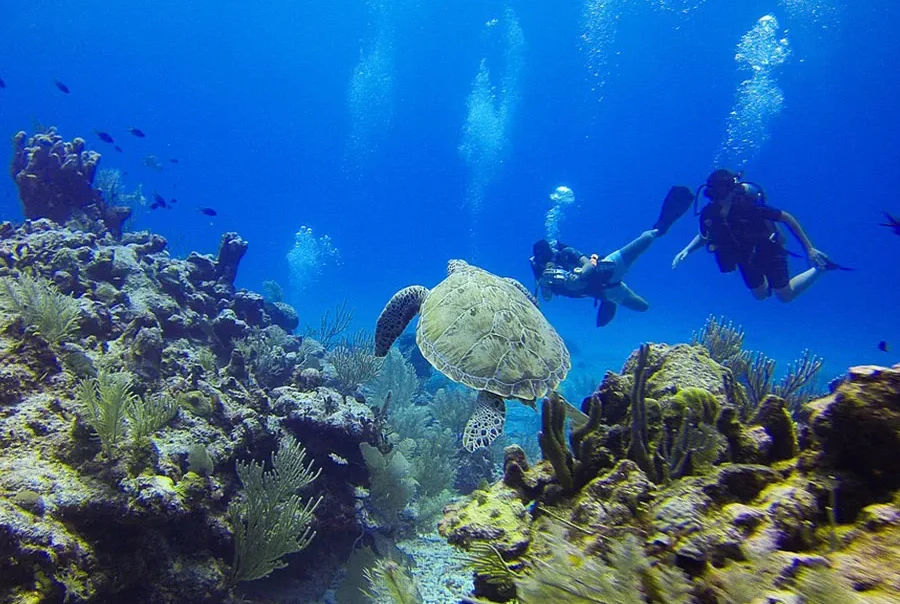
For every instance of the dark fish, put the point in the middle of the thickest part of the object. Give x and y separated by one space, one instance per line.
2 83
154 205
151 162
173 160
883 346
208 211
158 201
137 132
892 223
118 148
62 87
173 200
106 138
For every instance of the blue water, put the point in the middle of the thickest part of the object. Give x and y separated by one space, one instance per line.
252 99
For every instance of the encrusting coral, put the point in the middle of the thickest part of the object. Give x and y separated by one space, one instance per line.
775 508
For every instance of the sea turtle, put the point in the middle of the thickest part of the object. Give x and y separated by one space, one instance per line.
486 332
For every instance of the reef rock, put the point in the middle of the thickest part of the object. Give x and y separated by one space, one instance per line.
787 527
858 426
84 521
54 178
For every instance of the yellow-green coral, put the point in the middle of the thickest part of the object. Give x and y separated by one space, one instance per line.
197 402
498 515
704 405
40 304
390 583
104 400
569 575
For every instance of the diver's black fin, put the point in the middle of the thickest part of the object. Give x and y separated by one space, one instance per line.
674 206
831 265
605 313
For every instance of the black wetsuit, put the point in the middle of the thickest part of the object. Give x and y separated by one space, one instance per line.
747 239
568 259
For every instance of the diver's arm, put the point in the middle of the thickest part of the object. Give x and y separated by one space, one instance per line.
696 243
797 230
814 256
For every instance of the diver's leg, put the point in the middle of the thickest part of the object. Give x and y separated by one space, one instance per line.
755 280
622 294
762 292
775 268
625 257
798 284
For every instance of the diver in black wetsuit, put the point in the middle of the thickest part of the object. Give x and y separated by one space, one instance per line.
564 271
740 229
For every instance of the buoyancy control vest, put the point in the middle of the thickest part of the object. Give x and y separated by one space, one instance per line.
749 224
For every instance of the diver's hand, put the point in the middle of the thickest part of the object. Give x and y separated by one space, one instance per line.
585 271
816 258
679 258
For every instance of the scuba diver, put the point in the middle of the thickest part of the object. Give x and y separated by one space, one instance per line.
562 270
742 231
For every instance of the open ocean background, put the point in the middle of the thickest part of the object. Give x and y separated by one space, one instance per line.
349 118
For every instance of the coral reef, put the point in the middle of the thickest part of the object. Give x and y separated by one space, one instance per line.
759 507
55 181
148 356
141 395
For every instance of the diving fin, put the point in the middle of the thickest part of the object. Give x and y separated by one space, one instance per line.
677 202
831 265
606 313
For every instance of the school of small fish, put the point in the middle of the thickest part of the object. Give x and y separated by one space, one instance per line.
151 161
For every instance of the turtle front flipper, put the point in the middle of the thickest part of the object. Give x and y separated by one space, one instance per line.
486 423
397 314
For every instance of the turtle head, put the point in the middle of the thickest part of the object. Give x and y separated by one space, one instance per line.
397 314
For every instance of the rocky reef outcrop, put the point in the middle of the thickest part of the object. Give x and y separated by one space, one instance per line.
146 518
55 179
715 503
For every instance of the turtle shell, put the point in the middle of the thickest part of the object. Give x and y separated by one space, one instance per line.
483 331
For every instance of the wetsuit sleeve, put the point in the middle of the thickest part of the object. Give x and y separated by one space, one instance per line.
568 258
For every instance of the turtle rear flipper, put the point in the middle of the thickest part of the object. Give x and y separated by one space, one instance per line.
486 423
397 314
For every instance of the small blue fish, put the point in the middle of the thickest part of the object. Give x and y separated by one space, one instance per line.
173 160
883 346
62 87
137 133
208 211
105 137
118 148
2 83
